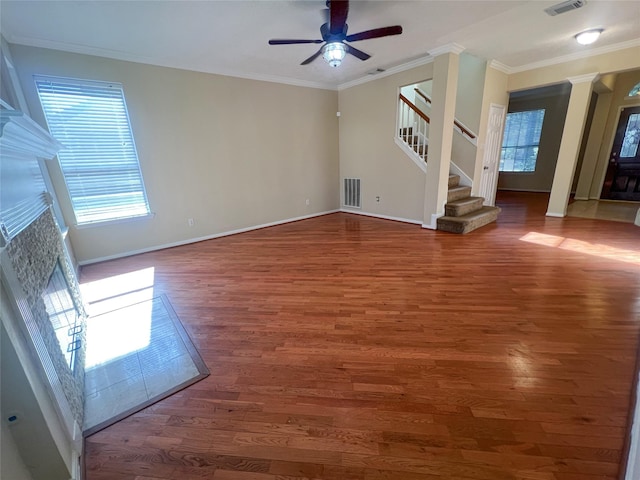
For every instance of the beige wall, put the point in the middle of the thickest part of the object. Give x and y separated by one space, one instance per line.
368 150
470 88
468 109
619 61
228 152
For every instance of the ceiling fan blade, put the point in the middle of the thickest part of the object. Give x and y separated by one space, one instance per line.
357 53
338 11
278 41
312 58
375 33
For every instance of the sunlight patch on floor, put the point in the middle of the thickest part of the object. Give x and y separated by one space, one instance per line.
118 291
580 246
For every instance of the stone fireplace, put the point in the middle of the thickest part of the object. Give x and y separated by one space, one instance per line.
33 255
43 318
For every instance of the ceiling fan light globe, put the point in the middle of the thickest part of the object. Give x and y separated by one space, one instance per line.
334 53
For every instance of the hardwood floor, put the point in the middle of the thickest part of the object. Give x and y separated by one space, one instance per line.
346 347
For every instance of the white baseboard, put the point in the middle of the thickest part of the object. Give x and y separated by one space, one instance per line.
433 225
200 239
556 214
384 217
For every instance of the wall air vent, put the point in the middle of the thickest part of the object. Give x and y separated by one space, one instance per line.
352 192
565 7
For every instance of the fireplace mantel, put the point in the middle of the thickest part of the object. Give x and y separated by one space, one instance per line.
21 135
22 141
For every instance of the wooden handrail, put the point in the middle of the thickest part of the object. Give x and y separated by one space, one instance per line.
463 130
415 109
422 94
455 122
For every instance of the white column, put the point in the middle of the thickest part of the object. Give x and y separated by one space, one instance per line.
582 87
443 107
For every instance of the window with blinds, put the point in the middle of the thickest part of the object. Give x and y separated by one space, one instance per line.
521 141
99 160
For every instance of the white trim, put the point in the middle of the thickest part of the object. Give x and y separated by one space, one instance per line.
102 223
501 67
118 55
19 134
201 239
422 165
555 214
576 56
454 48
465 180
586 78
124 56
383 217
390 71
472 141
434 221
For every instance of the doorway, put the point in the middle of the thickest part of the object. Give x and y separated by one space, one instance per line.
622 180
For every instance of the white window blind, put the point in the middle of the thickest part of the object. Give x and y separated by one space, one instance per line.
99 160
521 141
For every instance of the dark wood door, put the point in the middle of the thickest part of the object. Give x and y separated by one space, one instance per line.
622 181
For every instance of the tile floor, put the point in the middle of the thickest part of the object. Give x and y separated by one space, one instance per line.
604 210
135 354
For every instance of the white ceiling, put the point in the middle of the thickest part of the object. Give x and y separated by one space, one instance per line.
230 37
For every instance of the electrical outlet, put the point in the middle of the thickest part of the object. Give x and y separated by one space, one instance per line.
190 222
378 199
307 202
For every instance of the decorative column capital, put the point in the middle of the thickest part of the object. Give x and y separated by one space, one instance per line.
586 78
448 48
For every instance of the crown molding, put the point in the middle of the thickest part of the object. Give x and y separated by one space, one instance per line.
391 71
448 48
501 67
576 56
127 57
586 78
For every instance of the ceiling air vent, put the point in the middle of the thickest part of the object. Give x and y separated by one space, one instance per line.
565 7
376 71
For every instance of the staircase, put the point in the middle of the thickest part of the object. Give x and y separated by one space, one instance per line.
462 212
413 141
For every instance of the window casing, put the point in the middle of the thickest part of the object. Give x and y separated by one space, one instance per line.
99 160
521 141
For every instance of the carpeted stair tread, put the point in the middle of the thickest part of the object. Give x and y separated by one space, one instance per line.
463 206
469 222
457 193
454 180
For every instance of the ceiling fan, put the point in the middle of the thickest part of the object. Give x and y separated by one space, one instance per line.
334 34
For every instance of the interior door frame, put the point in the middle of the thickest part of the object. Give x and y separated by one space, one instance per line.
604 157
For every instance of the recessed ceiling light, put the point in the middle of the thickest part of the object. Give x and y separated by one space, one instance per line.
588 36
